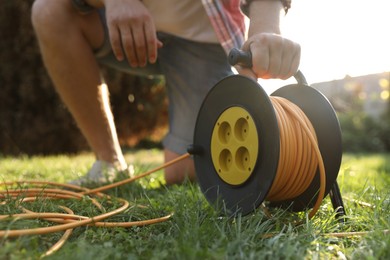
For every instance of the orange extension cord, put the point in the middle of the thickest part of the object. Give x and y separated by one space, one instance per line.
68 220
299 155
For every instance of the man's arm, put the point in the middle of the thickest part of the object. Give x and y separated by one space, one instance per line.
273 56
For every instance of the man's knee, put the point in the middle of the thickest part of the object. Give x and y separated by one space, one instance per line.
47 15
55 19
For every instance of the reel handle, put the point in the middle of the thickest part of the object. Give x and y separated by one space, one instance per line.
244 58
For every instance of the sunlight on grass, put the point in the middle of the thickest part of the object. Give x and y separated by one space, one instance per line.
197 230
360 173
54 168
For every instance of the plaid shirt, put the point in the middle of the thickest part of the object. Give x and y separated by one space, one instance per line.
227 21
226 18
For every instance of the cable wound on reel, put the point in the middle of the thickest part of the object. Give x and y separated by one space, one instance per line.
254 149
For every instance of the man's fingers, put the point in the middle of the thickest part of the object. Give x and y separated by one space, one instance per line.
140 47
289 59
296 58
276 62
132 32
115 39
137 44
128 46
273 56
151 42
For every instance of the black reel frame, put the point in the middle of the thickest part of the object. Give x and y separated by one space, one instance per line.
240 91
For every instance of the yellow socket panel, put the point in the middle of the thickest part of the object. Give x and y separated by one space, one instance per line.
234 145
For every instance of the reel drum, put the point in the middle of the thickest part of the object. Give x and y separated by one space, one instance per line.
324 120
236 143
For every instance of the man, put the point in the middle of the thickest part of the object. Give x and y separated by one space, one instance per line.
185 40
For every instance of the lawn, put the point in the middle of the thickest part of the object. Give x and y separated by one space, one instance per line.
196 230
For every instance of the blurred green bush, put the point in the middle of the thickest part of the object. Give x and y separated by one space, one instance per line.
363 133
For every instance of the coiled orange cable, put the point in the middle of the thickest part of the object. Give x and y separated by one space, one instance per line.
68 221
299 155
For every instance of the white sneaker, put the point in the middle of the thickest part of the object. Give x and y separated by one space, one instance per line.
103 172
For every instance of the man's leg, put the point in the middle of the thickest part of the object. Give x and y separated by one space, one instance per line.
67 40
191 70
180 171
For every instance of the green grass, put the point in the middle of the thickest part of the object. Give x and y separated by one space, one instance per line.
196 230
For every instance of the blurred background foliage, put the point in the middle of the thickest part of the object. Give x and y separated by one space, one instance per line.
363 108
33 120
364 133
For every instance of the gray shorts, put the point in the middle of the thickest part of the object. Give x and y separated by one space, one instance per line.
190 69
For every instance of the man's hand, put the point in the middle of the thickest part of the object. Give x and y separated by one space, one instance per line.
272 57
132 32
